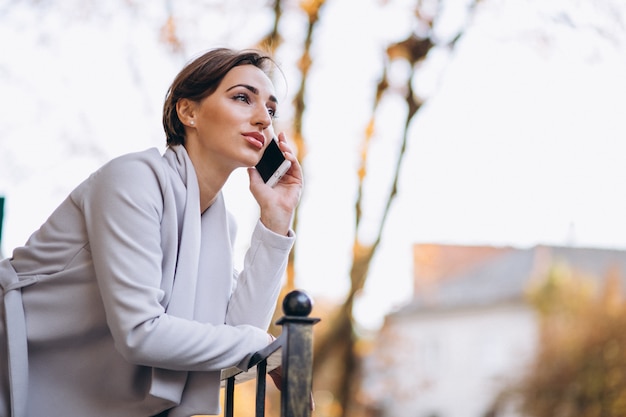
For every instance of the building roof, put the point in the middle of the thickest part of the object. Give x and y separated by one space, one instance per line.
490 275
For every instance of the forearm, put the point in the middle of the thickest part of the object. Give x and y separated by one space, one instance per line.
173 343
258 285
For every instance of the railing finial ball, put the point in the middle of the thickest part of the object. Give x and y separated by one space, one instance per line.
297 303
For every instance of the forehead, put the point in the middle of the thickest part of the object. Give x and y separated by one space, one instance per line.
249 75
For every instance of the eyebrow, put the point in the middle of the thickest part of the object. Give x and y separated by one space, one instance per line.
253 90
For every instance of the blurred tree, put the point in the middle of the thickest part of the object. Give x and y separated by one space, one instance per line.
271 42
579 369
337 348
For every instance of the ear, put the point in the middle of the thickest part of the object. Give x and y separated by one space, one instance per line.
186 110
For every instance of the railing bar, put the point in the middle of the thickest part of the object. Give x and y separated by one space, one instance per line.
230 397
261 377
267 351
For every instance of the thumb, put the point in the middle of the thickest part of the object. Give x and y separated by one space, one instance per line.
255 177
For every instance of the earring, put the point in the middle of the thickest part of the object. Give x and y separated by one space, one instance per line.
192 122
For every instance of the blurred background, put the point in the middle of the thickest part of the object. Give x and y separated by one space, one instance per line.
463 227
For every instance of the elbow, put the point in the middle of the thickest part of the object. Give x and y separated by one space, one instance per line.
137 346
132 352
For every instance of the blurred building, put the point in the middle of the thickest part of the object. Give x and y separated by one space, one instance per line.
469 331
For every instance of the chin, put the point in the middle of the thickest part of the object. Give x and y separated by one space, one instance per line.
252 160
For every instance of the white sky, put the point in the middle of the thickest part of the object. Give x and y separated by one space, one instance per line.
520 144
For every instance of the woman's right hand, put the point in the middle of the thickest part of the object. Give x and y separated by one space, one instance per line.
278 204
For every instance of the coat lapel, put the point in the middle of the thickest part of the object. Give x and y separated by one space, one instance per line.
169 384
202 283
211 301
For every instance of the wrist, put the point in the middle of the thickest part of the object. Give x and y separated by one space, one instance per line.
277 226
276 220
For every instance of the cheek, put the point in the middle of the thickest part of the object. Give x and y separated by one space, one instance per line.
221 117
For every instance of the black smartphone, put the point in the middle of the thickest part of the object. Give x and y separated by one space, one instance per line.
273 164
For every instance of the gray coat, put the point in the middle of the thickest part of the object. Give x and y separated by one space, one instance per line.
135 305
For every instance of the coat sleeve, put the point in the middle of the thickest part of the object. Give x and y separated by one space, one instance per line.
258 285
122 205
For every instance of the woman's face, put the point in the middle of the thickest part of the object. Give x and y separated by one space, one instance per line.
232 126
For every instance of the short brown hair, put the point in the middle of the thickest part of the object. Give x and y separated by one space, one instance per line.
200 78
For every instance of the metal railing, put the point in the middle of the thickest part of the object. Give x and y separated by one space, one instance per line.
293 351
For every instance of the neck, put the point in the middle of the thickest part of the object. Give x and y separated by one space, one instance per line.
209 191
211 179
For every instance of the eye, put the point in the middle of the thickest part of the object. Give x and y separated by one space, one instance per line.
242 97
272 112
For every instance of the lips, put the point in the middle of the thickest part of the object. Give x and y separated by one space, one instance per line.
256 139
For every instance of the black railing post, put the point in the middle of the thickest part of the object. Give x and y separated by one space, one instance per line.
261 375
294 347
297 355
230 397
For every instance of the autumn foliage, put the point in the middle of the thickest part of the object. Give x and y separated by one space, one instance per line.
580 366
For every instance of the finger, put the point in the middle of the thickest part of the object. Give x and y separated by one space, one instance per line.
283 144
295 171
255 177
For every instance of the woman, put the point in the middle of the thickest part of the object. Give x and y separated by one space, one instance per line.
131 305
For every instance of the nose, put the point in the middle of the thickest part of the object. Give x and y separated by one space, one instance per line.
262 117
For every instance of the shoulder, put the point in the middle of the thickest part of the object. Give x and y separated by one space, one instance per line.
131 175
138 163
132 168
